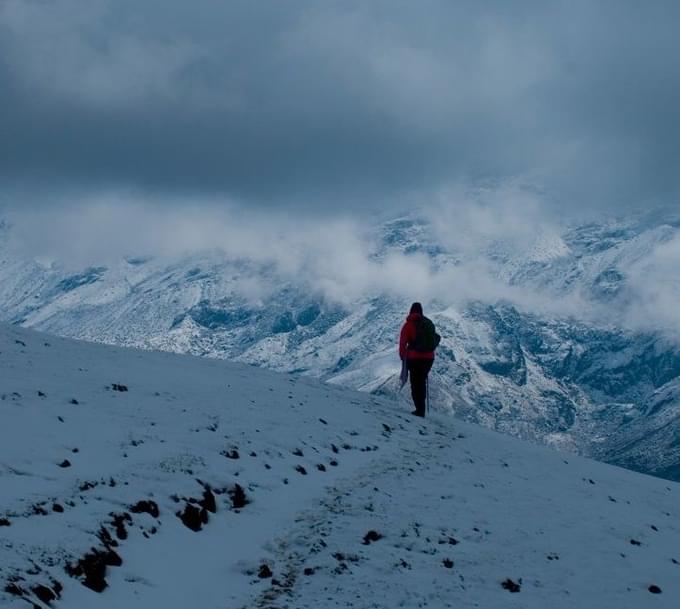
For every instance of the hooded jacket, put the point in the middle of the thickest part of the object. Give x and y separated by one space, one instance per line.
408 336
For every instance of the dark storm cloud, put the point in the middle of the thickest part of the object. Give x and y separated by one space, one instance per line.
270 102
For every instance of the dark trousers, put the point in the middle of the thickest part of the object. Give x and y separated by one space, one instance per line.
418 369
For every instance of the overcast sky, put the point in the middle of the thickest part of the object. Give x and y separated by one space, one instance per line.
339 105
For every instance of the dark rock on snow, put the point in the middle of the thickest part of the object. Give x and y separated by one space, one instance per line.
146 507
238 497
193 517
371 536
91 568
511 586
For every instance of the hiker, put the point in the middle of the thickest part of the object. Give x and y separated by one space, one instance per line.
417 342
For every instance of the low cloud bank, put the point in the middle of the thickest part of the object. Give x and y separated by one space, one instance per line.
343 258
654 284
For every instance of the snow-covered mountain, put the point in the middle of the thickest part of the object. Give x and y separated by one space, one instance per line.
567 347
146 479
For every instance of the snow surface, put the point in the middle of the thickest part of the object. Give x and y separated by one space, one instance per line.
571 532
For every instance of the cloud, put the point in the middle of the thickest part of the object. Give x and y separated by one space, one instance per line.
471 220
341 258
344 260
52 49
352 105
654 290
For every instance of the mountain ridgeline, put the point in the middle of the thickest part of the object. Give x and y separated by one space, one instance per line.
584 380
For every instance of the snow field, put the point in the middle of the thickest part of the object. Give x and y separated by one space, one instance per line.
350 501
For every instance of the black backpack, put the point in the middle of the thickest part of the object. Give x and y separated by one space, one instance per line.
427 338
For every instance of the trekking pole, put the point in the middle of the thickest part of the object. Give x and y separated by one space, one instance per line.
427 393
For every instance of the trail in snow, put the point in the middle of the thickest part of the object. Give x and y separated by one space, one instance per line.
456 519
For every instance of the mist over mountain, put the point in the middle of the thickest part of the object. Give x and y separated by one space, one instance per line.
561 333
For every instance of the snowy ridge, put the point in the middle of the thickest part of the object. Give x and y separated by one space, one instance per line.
170 481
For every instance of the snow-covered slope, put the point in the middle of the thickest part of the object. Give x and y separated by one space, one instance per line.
302 495
580 379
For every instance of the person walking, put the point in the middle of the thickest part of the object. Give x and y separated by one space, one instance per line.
417 342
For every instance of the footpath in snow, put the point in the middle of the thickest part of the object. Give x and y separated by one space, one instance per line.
136 479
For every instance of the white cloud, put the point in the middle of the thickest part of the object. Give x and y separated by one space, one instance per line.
336 255
654 284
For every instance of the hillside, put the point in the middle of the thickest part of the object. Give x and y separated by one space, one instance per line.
143 479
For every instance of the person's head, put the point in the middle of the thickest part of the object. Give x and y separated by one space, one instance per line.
416 307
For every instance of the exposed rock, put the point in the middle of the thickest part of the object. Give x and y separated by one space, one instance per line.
14 589
106 539
146 506
372 536
91 568
208 502
238 497
511 586
45 594
193 517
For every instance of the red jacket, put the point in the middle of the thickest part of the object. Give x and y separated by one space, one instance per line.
408 336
